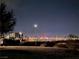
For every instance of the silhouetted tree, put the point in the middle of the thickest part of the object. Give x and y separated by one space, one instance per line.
70 36
7 20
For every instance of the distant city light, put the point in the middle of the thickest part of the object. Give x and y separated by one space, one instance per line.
35 25
20 33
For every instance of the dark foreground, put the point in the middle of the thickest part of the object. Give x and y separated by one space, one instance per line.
27 54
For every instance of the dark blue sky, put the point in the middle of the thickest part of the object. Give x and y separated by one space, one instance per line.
52 16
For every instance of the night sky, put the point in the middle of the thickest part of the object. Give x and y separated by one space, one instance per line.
53 17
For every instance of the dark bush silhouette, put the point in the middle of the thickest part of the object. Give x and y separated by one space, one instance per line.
11 42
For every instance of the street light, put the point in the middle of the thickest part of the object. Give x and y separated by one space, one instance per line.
35 25
20 33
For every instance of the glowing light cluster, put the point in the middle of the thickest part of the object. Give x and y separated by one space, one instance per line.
35 25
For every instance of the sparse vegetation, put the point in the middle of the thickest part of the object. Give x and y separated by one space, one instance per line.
72 41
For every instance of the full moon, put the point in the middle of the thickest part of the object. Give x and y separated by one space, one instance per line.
35 25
